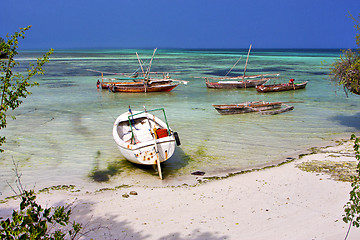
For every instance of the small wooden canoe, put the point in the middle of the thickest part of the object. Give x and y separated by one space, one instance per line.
264 108
277 111
280 87
235 83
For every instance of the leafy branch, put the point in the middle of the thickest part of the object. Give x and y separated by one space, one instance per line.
32 221
346 71
352 207
15 86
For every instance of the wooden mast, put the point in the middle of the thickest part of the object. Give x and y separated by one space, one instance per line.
246 64
233 66
146 78
142 70
148 70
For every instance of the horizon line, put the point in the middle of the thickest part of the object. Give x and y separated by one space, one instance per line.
177 48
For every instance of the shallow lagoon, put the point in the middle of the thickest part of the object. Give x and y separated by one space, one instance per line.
63 131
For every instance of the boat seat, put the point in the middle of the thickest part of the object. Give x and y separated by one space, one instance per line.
143 135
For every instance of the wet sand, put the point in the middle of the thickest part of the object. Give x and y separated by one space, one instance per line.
280 202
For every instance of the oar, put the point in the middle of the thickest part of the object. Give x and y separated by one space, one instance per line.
155 145
254 109
293 102
181 81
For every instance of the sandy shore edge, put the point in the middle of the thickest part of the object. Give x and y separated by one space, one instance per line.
280 202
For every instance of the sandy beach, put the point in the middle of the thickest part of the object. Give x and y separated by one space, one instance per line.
280 202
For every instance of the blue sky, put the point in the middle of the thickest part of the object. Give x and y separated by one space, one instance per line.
82 24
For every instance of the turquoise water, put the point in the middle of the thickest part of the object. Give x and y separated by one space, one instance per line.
63 131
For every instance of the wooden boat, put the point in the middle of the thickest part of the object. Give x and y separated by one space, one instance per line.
280 87
145 139
107 82
264 108
139 82
140 87
239 81
234 83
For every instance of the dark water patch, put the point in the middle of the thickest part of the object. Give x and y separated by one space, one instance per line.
348 120
63 84
240 73
80 67
113 67
320 73
316 73
84 71
79 126
273 62
192 67
220 73
294 63
273 52
86 58
104 175
178 160
271 69
298 63
80 54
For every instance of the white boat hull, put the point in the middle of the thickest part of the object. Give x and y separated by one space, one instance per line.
136 140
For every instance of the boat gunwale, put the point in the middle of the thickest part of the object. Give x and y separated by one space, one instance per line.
140 145
280 87
245 105
127 117
283 84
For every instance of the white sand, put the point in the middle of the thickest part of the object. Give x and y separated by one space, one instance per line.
276 203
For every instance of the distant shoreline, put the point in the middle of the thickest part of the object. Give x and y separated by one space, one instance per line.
255 50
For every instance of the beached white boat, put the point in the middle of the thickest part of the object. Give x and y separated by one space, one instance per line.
144 138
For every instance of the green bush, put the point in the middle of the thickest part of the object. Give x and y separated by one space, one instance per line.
32 221
352 207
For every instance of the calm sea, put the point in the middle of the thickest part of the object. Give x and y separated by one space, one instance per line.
63 131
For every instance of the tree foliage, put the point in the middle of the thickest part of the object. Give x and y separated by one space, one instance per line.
15 86
2 54
346 71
